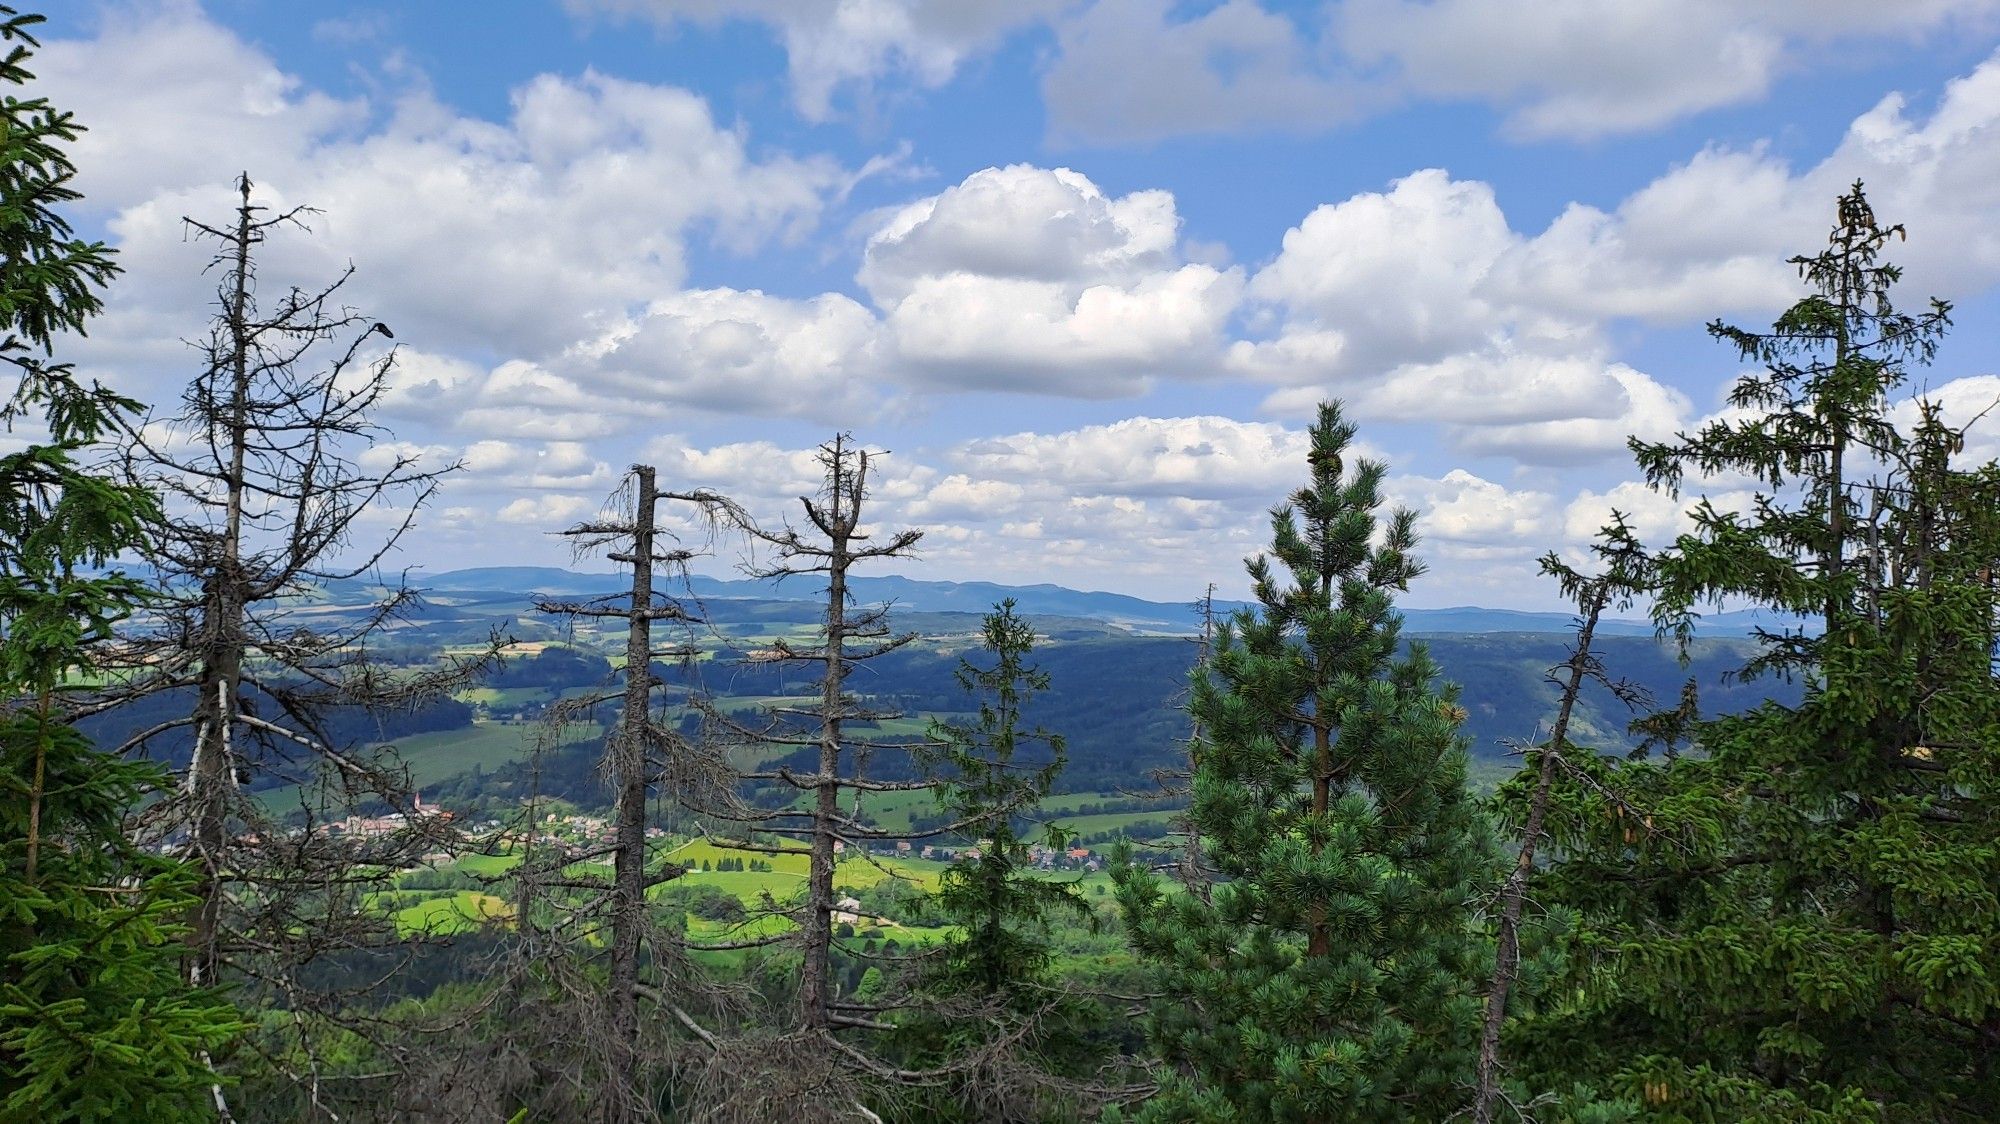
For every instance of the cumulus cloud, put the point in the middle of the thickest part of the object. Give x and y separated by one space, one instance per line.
1130 71
519 236
1195 457
743 352
1021 223
1032 279
1633 404
850 45
1654 516
1577 68
1461 508
535 268
1396 274
1135 71
1702 239
1106 341
1390 299
546 511
1970 404
1421 302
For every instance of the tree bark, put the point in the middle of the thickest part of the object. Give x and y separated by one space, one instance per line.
628 892
210 773
815 990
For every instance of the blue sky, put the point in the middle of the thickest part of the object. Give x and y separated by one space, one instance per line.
1084 266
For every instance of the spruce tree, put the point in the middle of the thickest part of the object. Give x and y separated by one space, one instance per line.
1801 920
987 1004
95 1023
1329 975
988 782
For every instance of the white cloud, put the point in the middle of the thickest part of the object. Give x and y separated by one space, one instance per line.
850 45
1195 457
1128 71
1396 274
1506 389
1021 223
1634 405
1703 239
546 512
957 498
171 100
1654 516
747 469
1390 300
1462 508
1971 404
1710 236
1583 68
742 352
1940 177
519 236
535 269
1032 279
1104 341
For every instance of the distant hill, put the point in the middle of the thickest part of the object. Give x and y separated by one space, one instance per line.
1041 600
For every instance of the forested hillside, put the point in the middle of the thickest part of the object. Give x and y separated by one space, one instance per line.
284 836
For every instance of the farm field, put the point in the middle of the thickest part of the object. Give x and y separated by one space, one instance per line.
456 910
894 811
789 870
436 756
446 753
1108 821
452 912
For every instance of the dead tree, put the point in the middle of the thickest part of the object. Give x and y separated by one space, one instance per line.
1189 867
643 754
264 506
1621 580
849 635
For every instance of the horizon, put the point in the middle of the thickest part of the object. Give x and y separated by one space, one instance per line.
1736 617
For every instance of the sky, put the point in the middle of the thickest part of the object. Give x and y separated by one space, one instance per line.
1081 269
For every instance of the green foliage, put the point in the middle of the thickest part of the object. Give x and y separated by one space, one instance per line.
1001 908
54 515
991 983
1329 972
1802 920
95 1023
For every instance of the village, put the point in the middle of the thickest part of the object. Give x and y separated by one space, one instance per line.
584 834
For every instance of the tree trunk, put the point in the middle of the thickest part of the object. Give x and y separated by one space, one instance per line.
1319 942
815 989
628 892
210 774
1514 891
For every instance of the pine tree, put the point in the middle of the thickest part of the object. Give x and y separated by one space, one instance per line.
95 1023
849 636
1802 920
1330 974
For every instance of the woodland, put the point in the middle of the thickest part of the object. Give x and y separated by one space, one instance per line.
284 838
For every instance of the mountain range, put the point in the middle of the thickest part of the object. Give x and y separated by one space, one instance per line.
1134 613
